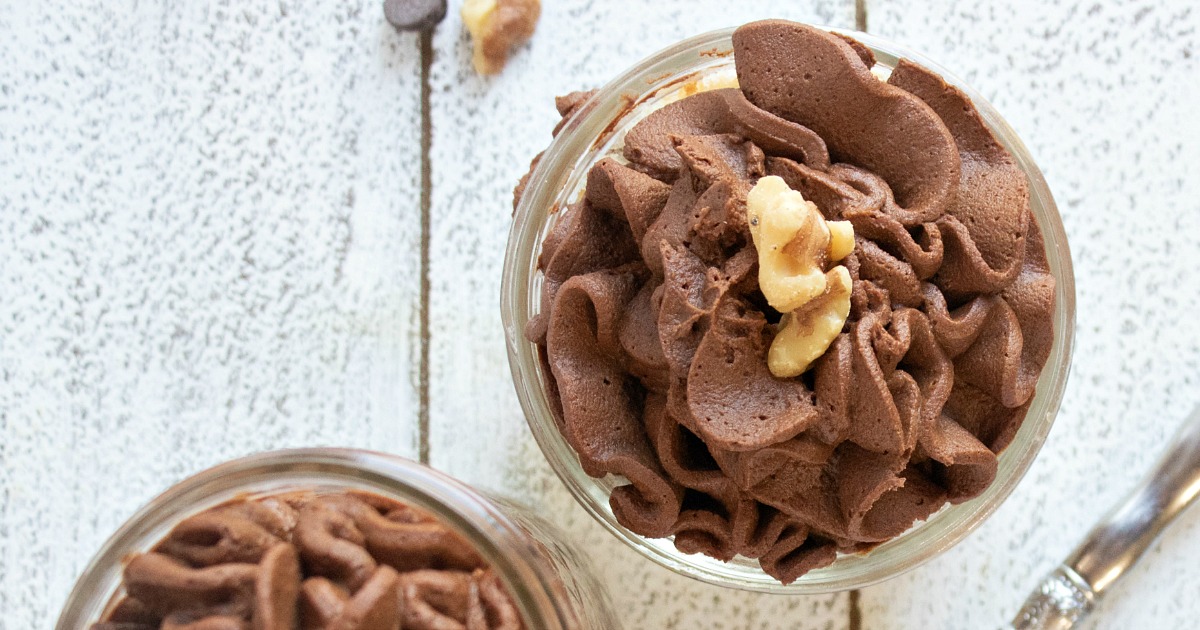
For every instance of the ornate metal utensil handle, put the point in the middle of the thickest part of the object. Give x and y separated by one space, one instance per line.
1120 538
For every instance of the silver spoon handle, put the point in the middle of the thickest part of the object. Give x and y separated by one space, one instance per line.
1120 538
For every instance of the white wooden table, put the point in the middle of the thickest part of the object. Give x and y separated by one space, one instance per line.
216 238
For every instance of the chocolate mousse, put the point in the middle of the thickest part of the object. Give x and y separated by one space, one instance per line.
350 560
746 422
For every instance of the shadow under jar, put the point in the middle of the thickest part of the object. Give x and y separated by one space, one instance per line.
550 586
595 129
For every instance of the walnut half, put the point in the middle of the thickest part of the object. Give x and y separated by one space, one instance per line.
498 26
795 246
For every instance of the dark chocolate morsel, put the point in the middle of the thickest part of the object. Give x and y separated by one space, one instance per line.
414 15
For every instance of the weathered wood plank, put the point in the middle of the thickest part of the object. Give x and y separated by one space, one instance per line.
1103 94
485 132
208 236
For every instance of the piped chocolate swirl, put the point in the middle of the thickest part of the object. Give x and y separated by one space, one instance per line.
655 332
351 560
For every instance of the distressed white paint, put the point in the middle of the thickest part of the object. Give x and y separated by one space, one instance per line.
1104 95
208 226
485 132
186 276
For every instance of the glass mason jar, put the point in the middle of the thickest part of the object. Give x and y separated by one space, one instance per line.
595 131
553 587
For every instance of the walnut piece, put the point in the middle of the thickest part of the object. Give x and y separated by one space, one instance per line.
805 334
795 245
498 26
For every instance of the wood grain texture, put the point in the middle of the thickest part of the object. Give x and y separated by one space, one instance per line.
209 231
484 133
1104 95
208 227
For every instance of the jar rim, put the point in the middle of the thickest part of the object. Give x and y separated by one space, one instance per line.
558 177
503 544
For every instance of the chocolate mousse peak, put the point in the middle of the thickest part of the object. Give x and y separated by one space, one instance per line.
816 79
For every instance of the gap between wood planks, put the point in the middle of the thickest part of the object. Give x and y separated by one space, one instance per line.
426 200
855 621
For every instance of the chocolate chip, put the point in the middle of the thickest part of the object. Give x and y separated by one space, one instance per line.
414 15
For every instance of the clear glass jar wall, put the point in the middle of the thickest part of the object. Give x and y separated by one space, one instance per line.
594 132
